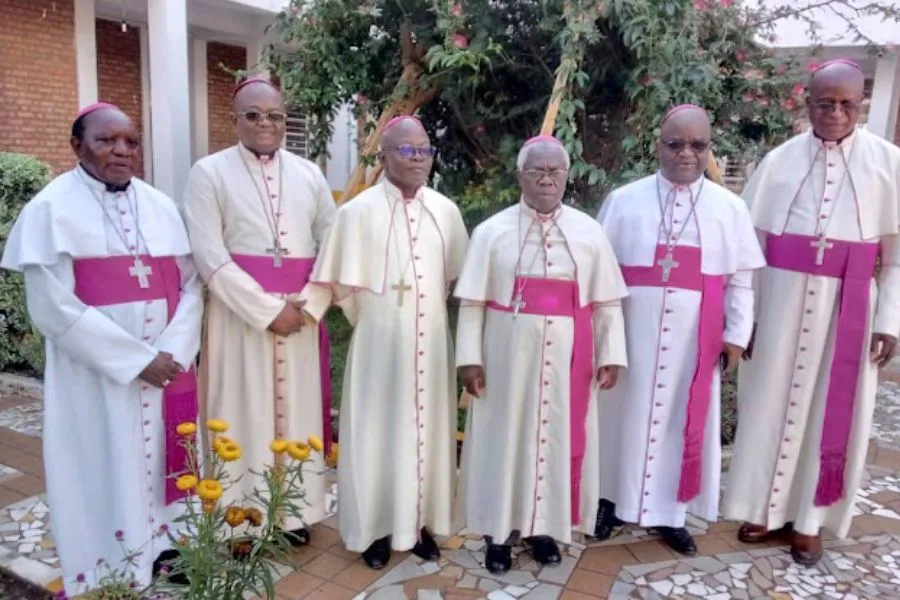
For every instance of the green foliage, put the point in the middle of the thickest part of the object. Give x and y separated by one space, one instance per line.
21 177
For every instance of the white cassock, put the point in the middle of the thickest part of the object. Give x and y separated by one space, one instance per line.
518 454
104 436
391 263
850 192
265 386
643 418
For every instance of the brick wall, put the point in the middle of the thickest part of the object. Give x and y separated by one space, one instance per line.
119 71
219 87
38 79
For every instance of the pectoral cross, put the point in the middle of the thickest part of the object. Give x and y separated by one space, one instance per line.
518 304
277 251
667 263
140 270
821 245
401 287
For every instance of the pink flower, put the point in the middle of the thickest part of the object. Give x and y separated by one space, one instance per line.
789 104
726 3
80 578
456 10
61 595
763 101
700 5
781 70
741 55
753 74
799 91
749 96
460 41
120 535
812 67
163 529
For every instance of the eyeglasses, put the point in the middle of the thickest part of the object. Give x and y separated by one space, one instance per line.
848 106
408 150
696 146
538 174
256 116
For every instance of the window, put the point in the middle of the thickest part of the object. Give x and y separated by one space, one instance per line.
297 135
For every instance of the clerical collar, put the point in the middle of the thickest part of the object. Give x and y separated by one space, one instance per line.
112 188
260 156
832 143
394 192
533 214
668 185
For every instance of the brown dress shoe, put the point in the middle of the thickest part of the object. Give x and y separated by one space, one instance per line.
757 534
806 550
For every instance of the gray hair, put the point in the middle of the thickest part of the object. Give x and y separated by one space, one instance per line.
529 145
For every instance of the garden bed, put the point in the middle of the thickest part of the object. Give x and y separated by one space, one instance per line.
13 587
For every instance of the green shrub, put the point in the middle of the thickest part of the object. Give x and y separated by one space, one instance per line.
21 349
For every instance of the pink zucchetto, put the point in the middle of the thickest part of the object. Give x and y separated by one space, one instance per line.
680 108
399 119
91 108
836 61
250 81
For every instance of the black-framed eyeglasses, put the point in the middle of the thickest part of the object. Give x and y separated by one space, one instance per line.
696 146
408 150
275 117
828 106
538 174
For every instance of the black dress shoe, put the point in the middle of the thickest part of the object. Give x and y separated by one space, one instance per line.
163 561
297 537
544 549
426 548
678 539
498 559
378 554
607 521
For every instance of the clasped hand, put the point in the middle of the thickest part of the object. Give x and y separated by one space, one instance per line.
161 370
472 377
291 318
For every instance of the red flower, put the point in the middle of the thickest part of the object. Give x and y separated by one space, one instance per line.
700 5
460 41
799 91
789 104
812 67
456 10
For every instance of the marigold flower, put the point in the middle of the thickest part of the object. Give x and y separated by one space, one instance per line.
186 429
278 446
209 489
220 441
209 506
235 515
186 482
217 425
228 451
298 450
254 516
316 443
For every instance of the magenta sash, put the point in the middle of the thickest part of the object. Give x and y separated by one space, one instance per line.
290 278
688 276
106 281
559 298
854 264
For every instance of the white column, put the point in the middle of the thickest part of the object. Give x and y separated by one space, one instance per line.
146 124
255 51
169 95
341 149
86 52
885 97
200 99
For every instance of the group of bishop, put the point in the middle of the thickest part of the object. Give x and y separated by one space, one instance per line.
592 349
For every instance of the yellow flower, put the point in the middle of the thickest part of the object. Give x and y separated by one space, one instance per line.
217 425
221 440
209 489
254 516
186 482
279 446
298 450
235 515
186 429
316 443
332 460
229 452
209 506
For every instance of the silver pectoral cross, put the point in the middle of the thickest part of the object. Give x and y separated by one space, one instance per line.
401 287
141 271
667 263
518 304
821 245
277 251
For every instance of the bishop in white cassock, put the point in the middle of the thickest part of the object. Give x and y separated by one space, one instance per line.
540 329
390 258
825 204
688 251
110 284
257 216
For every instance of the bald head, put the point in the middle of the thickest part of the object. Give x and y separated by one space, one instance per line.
402 128
683 147
834 99
406 154
259 116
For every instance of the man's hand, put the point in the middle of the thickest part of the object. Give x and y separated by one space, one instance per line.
732 356
290 319
161 370
748 353
472 377
607 377
882 349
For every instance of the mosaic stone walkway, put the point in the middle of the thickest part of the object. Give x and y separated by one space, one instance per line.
632 565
